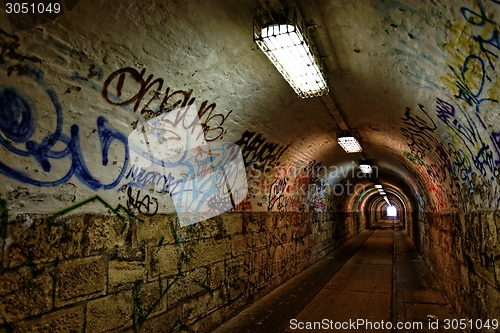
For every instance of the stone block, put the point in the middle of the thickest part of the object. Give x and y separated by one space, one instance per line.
104 234
261 239
217 275
169 321
253 221
269 221
208 251
40 241
61 321
80 279
164 260
210 228
211 321
189 285
111 312
241 244
151 300
492 302
199 307
232 223
26 292
156 228
121 272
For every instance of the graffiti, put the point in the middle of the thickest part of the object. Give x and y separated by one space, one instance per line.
147 205
18 124
418 59
203 180
243 206
278 188
9 49
93 71
219 203
115 210
481 19
467 136
259 153
473 64
141 177
116 91
4 218
418 132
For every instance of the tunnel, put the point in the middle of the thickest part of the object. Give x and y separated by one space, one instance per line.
249 166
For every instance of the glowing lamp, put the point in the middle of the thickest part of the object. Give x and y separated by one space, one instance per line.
284 40
365 167
348 142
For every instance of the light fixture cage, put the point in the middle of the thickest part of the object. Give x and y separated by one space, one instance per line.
348 142
365 167
302 69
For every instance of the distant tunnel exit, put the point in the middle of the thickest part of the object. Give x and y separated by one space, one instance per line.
392 211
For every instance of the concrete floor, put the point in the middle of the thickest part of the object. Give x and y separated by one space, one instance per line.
377 277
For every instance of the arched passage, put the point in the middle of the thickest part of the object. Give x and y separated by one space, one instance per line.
156 151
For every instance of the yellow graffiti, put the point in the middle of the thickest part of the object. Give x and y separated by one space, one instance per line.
460 45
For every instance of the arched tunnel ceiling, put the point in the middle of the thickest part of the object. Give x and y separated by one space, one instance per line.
416 80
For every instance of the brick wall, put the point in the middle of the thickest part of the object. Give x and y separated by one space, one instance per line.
99 273
463 252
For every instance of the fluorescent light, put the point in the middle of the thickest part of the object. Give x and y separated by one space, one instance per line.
387 200
380 190
365 167
382 193
348 142
378 186
288 48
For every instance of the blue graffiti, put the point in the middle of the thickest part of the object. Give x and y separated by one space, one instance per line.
140 177
465 92
480 20
18 118
472 16
198 177
17 121
468 136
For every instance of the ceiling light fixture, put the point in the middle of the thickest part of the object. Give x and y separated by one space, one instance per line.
387 200
382 193
378 186
365 167
285 41
348 142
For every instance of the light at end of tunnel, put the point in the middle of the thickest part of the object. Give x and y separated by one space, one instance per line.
392 211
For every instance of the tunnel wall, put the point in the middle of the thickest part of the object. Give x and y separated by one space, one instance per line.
90 228
105 273
461 249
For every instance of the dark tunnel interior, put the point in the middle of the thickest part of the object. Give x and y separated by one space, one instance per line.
188 166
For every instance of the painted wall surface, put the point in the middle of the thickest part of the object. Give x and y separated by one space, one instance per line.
122 205
462 251
147 146
103 273
452 135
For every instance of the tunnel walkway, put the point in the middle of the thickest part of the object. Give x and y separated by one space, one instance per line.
353 289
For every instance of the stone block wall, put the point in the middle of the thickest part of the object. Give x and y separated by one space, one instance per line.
463 252
103 273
